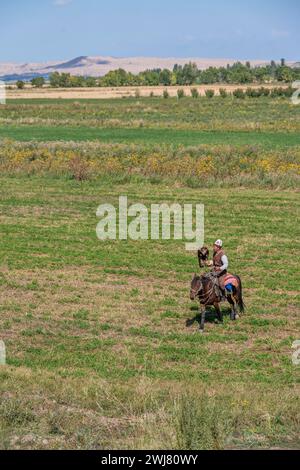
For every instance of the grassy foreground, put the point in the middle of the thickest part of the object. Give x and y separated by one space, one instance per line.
97 350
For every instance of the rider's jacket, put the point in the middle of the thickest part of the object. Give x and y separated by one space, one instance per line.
220 260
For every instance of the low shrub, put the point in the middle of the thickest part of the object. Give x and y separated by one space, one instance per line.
223 93
239 93
209 93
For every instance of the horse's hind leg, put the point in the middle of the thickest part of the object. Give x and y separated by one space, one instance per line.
235 302
233 309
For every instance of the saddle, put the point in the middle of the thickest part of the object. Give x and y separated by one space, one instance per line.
228 279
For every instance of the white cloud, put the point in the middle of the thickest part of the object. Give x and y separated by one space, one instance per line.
61 3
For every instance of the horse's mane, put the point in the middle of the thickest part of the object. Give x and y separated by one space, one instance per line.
206 277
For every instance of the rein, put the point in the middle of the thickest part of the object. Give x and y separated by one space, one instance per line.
195 291
207 294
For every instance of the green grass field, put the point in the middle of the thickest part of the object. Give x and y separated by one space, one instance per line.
98 355
151 136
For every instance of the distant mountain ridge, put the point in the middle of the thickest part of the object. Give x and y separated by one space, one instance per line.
96 66
81 61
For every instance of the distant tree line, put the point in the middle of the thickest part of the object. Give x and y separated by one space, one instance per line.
188 74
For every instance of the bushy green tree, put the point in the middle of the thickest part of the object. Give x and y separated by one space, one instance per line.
284 74
239 73
65 80
150 77
209 76
38 82
20 84
54 79
165 77
76 81
186 75
90 82
261 74
190 72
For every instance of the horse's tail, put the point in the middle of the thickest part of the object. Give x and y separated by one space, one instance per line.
240 301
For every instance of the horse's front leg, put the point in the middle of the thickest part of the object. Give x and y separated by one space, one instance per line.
219 312
202 318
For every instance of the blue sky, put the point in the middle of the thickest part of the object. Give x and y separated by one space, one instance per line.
33 30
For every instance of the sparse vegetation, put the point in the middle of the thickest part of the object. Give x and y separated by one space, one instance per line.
197 166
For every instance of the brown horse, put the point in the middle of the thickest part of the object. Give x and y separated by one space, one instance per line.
204 288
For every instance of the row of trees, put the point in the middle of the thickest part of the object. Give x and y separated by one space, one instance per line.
37 82
237 93
189 74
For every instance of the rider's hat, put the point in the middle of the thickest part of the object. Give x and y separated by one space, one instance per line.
219 243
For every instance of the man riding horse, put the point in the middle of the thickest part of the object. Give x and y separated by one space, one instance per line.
211 288
219 266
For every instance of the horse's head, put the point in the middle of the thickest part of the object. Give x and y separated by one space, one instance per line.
196 287
203 255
